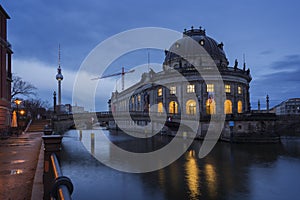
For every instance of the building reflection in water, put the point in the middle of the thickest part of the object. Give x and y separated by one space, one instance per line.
192 174
161 178
80 135
211 178
230 171
93 143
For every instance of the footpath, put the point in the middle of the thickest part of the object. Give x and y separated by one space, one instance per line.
21 167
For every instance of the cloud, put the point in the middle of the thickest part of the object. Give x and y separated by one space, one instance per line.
42 75
281 82
266 52
290 62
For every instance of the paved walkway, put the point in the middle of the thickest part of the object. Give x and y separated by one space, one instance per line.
19 167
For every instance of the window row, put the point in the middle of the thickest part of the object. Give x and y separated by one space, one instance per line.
190 88
191 107
211 107
138 99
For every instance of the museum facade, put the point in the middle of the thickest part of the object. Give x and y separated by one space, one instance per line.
197 94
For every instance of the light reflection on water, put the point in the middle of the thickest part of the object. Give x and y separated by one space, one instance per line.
211 180
230 171
192 174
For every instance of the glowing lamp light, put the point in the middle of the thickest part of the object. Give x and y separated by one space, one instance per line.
18 101
22 112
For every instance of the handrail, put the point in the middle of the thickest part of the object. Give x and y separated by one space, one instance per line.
63 187
28 125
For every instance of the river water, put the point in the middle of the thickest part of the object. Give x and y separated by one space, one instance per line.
229 171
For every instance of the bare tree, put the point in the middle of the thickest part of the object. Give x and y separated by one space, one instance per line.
20 87
35 107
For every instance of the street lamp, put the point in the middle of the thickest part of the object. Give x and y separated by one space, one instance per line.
22 112
17 102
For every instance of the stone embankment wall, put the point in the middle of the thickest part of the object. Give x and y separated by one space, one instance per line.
288 125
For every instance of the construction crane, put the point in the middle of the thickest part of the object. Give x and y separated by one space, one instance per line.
116 74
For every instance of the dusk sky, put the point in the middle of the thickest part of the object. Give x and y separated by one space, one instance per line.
266 31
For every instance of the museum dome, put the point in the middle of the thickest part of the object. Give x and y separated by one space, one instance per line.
186 47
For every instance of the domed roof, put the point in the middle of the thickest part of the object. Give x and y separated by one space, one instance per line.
214 49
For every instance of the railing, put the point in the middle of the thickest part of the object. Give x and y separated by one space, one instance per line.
28 125
56 186
63 187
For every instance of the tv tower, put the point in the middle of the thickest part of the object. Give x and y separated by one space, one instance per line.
59 77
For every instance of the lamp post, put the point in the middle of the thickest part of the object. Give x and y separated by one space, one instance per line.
54 102
17 102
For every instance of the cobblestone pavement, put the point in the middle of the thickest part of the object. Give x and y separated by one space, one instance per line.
18 162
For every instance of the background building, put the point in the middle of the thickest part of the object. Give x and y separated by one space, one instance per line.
288 107
5 72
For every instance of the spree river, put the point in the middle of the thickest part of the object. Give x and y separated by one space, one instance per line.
229 171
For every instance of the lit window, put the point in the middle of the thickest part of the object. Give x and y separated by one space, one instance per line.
190 88
210 106
132 100
173 90
239 90
159 92
227 107
139 98
190 107
240 107
210 88
160 108
201 42
173 107
227 88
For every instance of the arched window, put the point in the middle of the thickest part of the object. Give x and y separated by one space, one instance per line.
173 107
190 107
240 106
210 106
160 107
227 107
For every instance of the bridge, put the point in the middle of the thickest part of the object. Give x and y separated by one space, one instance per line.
133 119
246 125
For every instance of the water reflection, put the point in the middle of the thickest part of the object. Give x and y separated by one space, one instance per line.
192 174
93 143
230 171
16 171
211 179
17 161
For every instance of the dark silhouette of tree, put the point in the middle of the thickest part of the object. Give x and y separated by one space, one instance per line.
35 107
20 87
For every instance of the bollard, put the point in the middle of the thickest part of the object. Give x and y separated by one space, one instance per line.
52 144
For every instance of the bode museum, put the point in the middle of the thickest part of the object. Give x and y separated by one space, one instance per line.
166 92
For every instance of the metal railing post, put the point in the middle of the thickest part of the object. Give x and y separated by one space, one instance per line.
63 187
52 144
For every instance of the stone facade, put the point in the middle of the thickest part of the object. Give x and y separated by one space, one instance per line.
195 94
